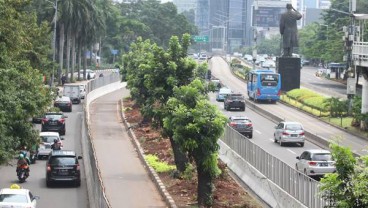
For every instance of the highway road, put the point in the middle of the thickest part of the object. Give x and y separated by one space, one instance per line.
263 128
321 85
57 196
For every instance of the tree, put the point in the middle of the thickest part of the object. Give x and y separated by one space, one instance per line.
22 92
197 126
347 186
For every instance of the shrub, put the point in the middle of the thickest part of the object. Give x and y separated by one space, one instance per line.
300 94
318 103
158 165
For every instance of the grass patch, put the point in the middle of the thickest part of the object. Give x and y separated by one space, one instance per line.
158 165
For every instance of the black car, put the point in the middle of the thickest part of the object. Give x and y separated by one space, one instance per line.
242 124
63 166
234 101
53 121
63 103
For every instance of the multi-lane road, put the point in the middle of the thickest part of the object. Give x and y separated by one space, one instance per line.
264 128
57 196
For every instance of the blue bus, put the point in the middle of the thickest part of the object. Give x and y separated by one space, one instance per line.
264 84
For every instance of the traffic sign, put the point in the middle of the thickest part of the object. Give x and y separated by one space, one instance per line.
201 39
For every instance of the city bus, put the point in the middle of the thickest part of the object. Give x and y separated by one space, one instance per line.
264 85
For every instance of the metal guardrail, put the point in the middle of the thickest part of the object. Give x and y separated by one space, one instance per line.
95 187
295 183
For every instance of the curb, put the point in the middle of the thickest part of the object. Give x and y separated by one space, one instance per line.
153 174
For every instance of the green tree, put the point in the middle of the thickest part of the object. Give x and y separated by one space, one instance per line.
347 186
22 94
197 126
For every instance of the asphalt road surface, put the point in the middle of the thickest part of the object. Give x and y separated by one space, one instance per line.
58 196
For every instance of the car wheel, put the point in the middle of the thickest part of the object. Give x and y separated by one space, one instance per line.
250 135
305 172
296 167
281 143
77 184
48 183
302 144
274 138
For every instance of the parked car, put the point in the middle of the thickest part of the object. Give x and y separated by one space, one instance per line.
222 93
54 121
17 197
315 162
234 101
63 103
63 166
242 124
289 132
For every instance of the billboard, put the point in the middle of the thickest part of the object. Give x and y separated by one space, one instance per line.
267 16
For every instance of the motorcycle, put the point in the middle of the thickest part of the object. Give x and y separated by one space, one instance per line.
32 157
22 173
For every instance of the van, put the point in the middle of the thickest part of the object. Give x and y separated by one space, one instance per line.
73 92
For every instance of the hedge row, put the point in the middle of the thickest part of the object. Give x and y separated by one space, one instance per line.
309 98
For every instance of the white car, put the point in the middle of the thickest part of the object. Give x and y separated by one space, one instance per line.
289 132
48 137
315 162
92 74
17 197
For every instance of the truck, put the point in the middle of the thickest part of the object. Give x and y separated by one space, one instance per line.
74 92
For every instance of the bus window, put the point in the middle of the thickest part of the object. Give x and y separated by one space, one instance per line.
269 79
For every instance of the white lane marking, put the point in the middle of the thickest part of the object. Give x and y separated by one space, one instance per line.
258 132
271 140
291 151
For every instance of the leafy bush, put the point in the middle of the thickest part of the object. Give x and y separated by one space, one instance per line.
318 103
301 94
156 164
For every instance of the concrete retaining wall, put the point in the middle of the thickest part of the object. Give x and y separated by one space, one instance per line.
268 191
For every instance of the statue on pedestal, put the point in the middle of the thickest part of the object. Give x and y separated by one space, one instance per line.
289 30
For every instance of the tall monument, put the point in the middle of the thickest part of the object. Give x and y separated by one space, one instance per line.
287 65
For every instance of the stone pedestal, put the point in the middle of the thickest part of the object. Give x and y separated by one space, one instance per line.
289 69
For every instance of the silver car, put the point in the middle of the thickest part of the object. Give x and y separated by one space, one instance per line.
315 162
289 132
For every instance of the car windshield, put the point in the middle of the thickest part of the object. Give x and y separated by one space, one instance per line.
14 198
48 139
293 127
54 116
62 161
322 157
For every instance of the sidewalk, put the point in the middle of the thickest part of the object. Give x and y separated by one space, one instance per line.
126 182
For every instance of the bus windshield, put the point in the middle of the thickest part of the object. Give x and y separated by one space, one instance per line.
269 79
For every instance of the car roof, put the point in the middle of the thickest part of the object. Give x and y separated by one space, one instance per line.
291 122
54 113
49 133
63 153
235 94
14 191
224 89
315 151
63 98
239 117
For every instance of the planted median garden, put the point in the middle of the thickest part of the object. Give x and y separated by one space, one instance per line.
330 109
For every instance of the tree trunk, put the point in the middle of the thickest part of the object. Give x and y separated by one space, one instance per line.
80 61
68 47
61 53
180 158
205 186
74 57
84 64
